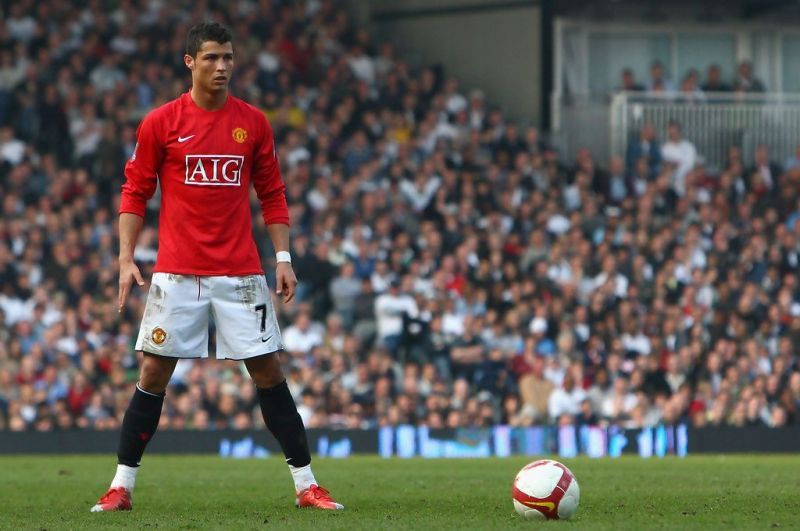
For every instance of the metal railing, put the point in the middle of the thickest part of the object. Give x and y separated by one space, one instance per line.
713 122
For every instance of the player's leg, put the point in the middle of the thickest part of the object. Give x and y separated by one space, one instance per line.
281 416
142 417
284 422
174 326
247 330
138 426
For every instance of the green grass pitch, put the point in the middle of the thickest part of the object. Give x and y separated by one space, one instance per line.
189 492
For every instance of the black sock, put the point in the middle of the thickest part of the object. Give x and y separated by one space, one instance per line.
283 420
138 426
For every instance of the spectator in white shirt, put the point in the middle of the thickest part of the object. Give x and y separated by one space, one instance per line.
385 60
124 42
12 71
765 168
567 399
269 58
608 273
477 109
621 402
634 339
680 152
20 26
303 335
455 102
361 65
658 81
674 376
12 150
344 290
420 192
389 310
107 75
307 406
86 131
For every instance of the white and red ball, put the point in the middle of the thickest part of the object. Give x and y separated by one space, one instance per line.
545 489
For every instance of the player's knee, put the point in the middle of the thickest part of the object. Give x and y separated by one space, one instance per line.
265 371
268 377
153 382
154 376
267 381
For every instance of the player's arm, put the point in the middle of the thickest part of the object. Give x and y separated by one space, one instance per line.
284 274
141 174
129 227
271 193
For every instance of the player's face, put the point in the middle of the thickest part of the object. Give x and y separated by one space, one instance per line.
212 67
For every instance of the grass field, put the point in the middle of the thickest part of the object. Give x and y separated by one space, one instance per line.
743 492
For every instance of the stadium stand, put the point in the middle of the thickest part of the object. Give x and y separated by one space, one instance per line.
455 270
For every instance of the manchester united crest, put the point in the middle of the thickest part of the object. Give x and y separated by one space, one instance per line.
240 135
159 335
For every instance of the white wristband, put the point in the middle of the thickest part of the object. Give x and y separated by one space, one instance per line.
283 256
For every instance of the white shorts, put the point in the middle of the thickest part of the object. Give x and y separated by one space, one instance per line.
175 321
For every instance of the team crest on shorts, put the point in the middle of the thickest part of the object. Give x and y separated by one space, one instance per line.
159 335
240 135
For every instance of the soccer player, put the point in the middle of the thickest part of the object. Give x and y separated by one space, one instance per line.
206 148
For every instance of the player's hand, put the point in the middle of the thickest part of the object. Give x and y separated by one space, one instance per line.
128 272
286 281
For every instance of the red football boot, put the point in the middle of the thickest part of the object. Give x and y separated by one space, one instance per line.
316 496
116 499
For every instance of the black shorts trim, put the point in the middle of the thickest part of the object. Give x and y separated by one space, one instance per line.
170 357
258 356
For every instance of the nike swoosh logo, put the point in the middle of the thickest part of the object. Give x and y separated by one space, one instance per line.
182 139
547 505
265 340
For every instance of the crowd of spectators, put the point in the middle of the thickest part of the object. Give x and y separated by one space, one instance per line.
690 88
455 270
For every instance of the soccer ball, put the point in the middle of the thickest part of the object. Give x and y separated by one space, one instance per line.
545 489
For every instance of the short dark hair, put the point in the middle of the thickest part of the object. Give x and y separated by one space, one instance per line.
206 31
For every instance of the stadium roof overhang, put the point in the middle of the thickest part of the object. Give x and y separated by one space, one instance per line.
672 10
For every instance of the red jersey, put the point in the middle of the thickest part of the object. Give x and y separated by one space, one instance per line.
205 162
